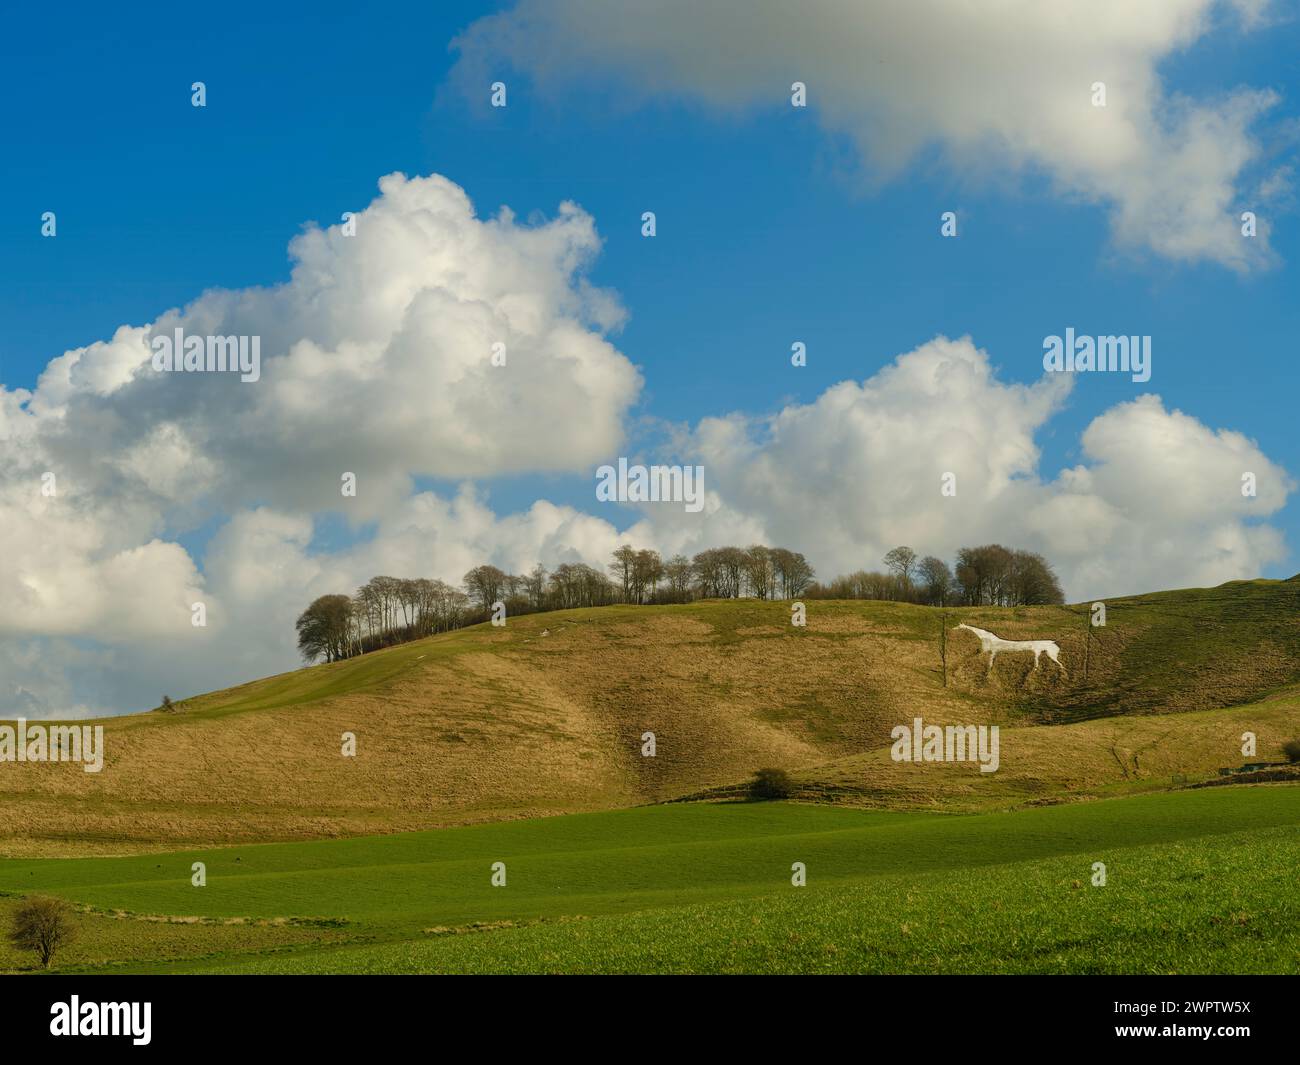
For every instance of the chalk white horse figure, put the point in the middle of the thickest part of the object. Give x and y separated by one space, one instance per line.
993 644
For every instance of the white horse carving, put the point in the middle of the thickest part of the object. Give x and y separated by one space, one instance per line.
993 644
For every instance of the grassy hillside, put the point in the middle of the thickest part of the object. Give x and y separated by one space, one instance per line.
1196 881
1051 763
546 716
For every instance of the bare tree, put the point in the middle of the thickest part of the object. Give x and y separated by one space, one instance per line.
42 925
993 575
936 578
982 573
901 561
732 564
535 586
623 566
759 571
708 573
647 572
1032 581
677 571
485 584
792 570
386 591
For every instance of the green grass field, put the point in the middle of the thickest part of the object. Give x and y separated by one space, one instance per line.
1217 905
1197 881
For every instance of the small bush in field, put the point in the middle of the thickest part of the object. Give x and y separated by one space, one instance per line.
771 784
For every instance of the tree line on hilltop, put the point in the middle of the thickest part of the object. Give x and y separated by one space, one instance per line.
989 575
391 610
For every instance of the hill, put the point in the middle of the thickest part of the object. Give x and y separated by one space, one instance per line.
547 714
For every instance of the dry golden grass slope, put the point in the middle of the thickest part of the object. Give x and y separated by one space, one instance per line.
492 723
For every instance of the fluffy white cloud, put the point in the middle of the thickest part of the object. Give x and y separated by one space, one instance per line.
1158 502
390 333
376 361
996 87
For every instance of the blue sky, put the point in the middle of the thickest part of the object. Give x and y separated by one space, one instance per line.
157 201
770 229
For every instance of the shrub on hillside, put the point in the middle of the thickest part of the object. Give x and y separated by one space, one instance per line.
1292 750
771 784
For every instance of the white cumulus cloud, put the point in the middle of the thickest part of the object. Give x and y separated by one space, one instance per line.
1157 503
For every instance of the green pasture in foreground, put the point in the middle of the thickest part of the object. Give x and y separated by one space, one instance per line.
1196 879
1215 905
